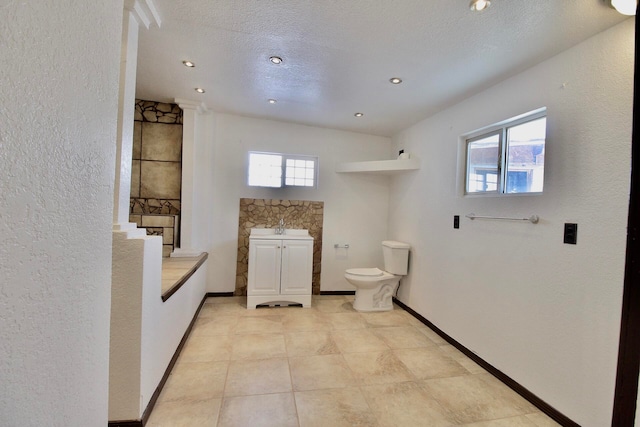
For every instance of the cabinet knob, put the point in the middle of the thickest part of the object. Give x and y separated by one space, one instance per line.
285 247
277 247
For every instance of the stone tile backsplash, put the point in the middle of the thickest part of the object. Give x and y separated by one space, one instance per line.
157 112
266 213
156 170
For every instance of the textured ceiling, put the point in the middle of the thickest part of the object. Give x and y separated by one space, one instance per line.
339 55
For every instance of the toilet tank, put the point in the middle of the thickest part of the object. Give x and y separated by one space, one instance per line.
396 257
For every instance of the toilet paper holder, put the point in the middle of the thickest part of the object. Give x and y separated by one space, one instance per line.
339 246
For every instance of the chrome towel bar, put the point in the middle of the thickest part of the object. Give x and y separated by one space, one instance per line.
533 219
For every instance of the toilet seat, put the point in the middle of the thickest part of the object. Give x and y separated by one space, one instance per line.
365 272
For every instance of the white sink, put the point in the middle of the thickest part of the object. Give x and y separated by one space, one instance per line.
289 234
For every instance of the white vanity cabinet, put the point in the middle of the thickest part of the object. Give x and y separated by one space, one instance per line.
280 267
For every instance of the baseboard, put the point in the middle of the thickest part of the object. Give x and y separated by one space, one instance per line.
553 413
126 423
337 292
218 294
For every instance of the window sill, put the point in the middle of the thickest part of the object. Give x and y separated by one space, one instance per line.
490 195
176 272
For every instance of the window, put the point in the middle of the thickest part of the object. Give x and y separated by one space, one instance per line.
282 170
507 158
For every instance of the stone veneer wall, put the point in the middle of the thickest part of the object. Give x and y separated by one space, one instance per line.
156 170
266 213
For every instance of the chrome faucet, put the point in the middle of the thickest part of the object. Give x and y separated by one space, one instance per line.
280 229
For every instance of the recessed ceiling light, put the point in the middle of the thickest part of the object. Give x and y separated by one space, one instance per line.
272 101
199 90
625 7
478 5
395 80
188 64
358 114
276 60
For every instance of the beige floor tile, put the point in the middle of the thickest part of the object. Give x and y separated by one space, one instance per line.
463 360
521 421
427 363
333 306
343 407
231 309
195 381
339 321
269 311
212 326
469 399
263 376
254 358
206 349
310 343
471 366
199 413
258 325
324 297
242 300
430 334
257 346
542 420
385 318
405 404
377 368
264 410
357 341
305 321
403 337
320 372
500 388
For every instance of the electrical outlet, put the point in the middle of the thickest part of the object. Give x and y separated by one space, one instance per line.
570 233
456 221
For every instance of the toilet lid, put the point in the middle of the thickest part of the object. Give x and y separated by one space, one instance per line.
369 272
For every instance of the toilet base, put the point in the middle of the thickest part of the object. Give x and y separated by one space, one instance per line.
376 299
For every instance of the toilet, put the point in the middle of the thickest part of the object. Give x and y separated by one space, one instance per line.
374 287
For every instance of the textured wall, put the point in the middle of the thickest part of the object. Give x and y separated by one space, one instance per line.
545 313
355 205
261 213
58 109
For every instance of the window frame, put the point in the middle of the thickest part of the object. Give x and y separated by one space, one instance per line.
501 129
283 167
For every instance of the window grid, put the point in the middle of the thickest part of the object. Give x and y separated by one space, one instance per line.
507 158
281 170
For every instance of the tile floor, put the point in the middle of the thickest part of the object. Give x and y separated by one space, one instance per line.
329 366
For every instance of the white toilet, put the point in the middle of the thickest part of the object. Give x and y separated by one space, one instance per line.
375 288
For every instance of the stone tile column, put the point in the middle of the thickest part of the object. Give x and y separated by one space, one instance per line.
191 138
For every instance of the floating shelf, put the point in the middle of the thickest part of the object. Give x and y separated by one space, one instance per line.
387 167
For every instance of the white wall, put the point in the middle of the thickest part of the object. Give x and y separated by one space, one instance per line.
545 313
58 107
163 326
355 207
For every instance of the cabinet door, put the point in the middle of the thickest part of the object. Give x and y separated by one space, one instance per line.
264 267
297 267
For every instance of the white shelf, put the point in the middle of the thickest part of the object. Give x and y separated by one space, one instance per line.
386 167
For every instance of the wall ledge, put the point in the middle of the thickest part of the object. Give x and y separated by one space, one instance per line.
197 262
